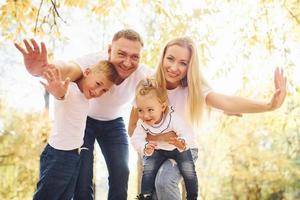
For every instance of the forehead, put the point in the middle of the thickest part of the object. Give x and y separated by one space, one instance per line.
126 45
147 100
182 53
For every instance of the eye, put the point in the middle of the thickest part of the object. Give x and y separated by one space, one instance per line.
169 58
98 83
150 109
121 54
184 64
139 110
104 90
135 58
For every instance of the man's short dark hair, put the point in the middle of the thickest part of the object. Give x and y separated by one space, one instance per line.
128 34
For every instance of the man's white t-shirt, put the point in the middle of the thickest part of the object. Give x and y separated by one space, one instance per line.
111 104
69 120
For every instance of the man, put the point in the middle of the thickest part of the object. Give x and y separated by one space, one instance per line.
104 122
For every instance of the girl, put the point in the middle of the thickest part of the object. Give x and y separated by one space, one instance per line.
155 117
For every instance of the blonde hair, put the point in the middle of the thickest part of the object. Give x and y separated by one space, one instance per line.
149 85
194 79
128 34
108 69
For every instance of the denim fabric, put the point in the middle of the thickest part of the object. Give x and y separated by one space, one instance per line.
168 178
185 165
58 174
113 141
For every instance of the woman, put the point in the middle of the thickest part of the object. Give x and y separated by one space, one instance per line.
188 92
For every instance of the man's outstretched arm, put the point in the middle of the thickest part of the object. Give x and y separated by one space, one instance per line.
36 61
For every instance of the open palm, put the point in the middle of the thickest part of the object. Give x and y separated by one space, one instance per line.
35 57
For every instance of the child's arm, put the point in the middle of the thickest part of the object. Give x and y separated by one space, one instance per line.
149 148
139 143
55 86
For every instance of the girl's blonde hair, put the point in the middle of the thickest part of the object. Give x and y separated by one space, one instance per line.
194 79
150 85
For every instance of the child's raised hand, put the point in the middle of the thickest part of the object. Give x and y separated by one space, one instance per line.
178 142
55 86
149 148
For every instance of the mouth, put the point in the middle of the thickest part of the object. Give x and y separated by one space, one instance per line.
172 75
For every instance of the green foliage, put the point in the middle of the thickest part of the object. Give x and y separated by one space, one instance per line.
21 142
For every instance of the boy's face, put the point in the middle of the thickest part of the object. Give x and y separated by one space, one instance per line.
95 84
125 55
150 110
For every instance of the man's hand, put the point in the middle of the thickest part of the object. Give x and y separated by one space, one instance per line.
35 58
149 148
55 86
179 143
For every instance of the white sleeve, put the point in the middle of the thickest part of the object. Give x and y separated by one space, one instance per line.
138 139
205 91
90 59
182 129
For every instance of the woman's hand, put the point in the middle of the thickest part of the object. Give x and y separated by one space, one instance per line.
179 143
280 92
166 137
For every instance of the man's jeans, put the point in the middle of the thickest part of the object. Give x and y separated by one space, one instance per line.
58 174
185 165
113 141
168 178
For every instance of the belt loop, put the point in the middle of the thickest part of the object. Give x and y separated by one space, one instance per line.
82 148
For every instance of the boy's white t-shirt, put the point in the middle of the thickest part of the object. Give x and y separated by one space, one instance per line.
69 120
111 104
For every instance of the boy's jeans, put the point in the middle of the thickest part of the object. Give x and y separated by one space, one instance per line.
185 165
58 174
168 178
113 141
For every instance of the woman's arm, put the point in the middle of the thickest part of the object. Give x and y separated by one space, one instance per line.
234 104
36 61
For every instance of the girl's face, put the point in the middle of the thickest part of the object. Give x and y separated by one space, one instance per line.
150 110
175 65
95 84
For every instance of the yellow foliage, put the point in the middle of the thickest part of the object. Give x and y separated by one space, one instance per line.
76 3
21 142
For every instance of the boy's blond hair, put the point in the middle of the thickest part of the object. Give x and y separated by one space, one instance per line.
150 85
108 69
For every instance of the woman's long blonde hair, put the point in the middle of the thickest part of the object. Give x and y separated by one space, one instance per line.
194 79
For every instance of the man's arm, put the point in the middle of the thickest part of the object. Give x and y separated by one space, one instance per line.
36 61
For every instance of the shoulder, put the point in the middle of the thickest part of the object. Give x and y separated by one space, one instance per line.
90 59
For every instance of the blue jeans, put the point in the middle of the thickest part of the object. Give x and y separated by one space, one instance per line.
58 174
113 141
168 178
185 165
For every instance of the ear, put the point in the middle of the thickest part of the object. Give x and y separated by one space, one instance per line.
109 51
86 72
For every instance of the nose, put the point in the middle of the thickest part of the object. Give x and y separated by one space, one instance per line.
173 67
146 116
127 61
98 92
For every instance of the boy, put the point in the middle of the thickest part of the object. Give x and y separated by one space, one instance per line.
60 160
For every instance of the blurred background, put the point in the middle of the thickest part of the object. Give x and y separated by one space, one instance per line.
240 44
